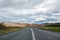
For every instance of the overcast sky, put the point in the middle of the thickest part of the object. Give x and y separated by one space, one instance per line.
30 11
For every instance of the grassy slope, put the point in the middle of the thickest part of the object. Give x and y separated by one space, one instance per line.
9 29
55 29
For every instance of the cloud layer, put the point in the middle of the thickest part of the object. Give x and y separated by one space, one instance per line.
30 11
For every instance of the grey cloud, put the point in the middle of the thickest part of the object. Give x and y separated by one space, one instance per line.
29 4
20 4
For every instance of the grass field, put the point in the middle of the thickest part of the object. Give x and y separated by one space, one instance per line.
12 29
55 29
9 29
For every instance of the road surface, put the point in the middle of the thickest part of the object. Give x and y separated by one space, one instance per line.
31 34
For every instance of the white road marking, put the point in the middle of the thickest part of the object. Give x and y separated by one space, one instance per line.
33 36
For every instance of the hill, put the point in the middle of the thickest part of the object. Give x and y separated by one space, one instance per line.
52 24
14 24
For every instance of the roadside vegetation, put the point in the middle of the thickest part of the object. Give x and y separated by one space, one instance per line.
55 28
4 29
9 29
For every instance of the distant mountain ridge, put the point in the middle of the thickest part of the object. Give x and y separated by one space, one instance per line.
14 24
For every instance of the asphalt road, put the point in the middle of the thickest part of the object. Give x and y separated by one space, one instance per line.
31 34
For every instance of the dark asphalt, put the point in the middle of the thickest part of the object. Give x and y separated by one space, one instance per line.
26 34
46 35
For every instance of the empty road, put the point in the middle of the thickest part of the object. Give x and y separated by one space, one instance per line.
31 34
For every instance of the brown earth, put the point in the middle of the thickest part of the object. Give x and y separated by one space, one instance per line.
14 24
